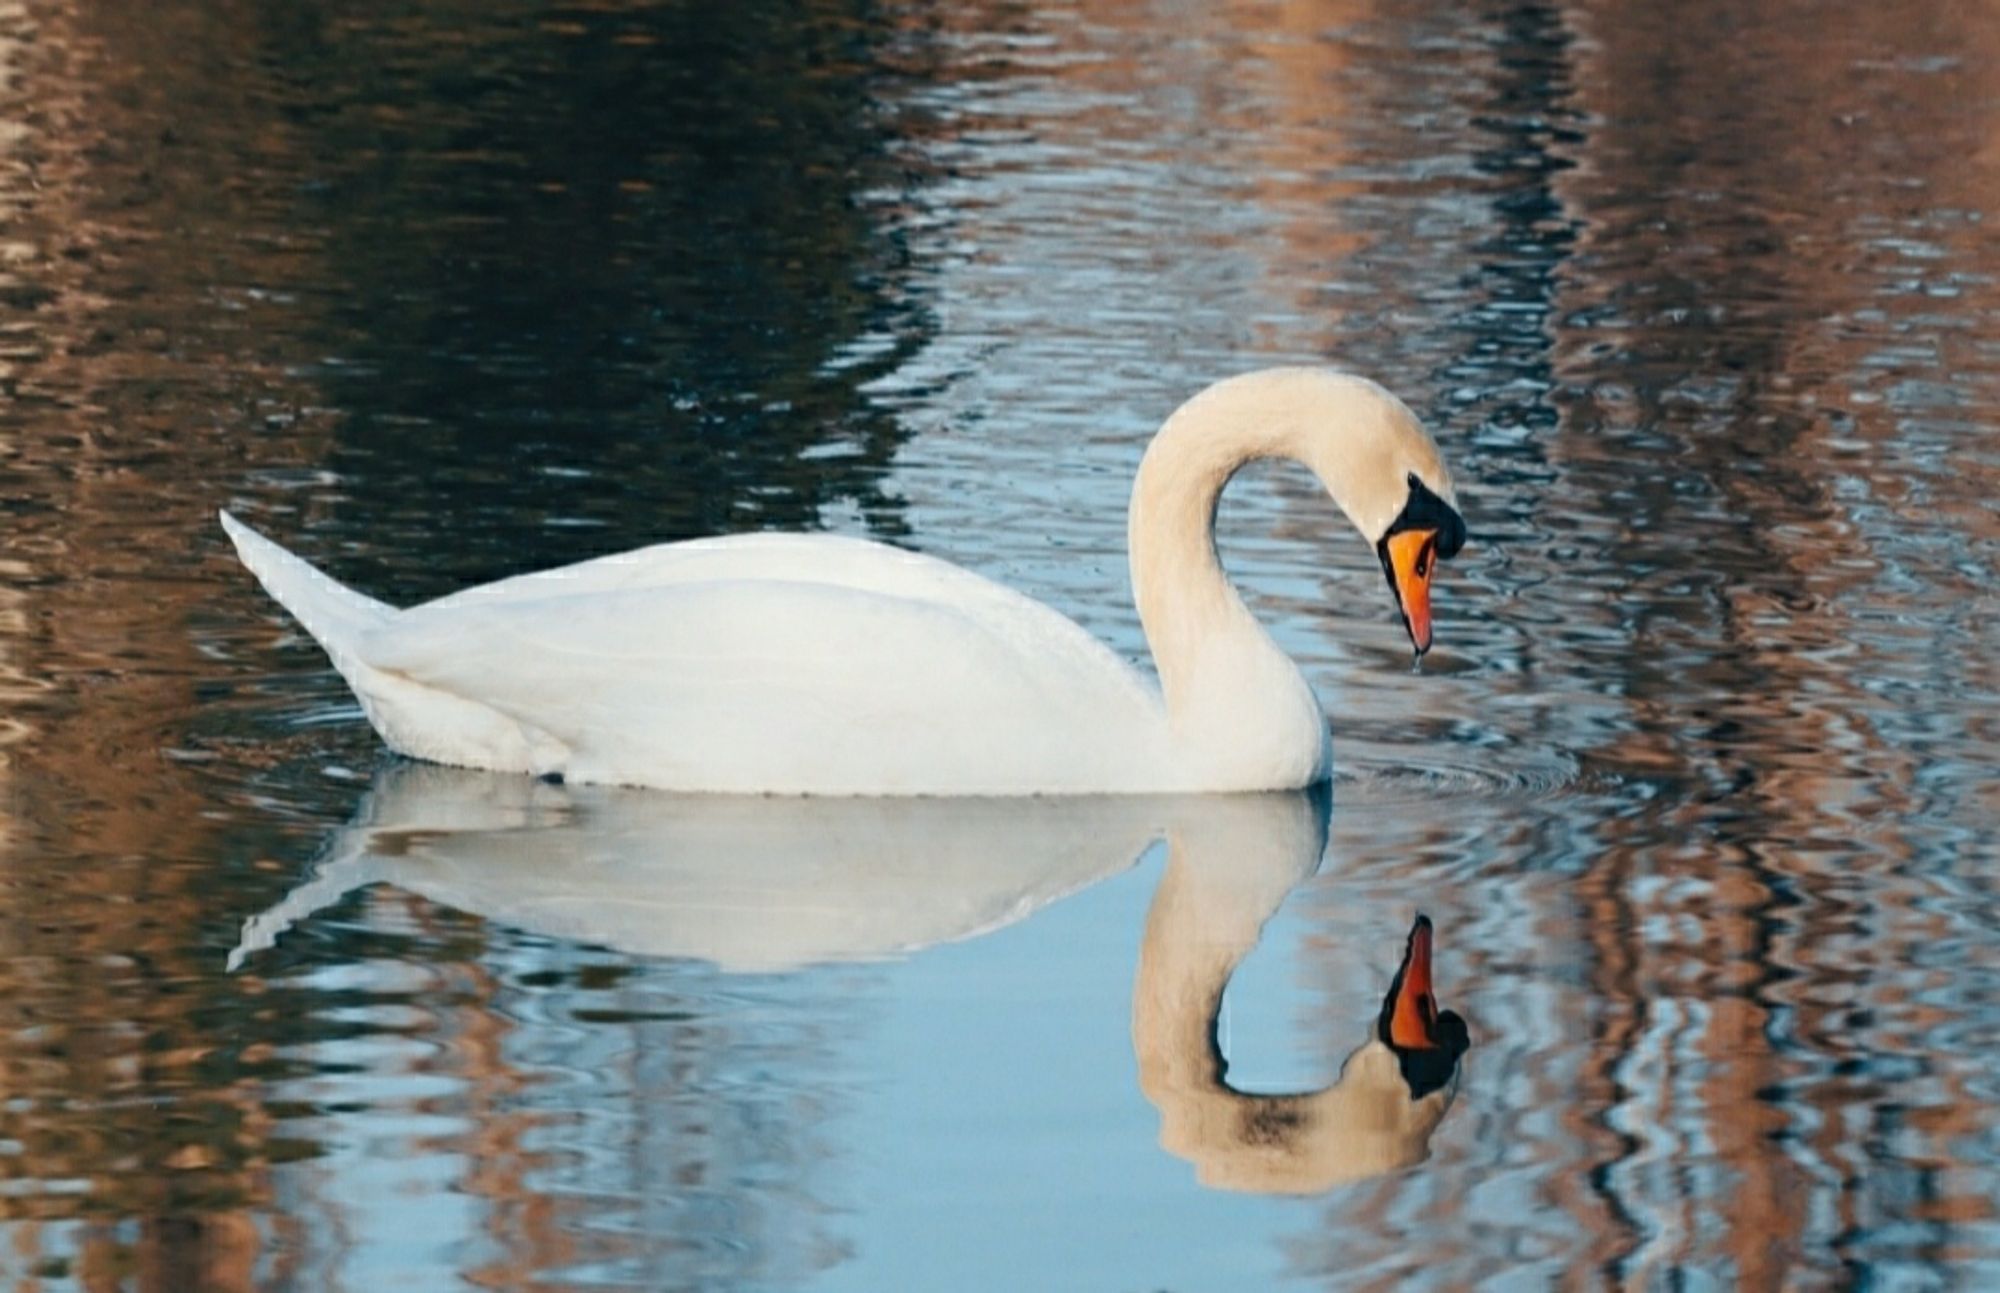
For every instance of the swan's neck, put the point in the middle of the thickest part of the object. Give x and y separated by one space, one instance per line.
1224 680
1186 603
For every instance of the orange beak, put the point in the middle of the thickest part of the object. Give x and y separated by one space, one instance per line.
1414 1010
1409 557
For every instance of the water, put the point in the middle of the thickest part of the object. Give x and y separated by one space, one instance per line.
1701 303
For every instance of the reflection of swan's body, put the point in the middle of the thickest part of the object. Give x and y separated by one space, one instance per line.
1225 875
747 883
824 665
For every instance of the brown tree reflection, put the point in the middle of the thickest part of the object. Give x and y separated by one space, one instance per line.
1736 277
256 250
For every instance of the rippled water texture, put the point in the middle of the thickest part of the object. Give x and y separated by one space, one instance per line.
1700 298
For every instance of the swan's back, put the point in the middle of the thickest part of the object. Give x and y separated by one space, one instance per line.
835 560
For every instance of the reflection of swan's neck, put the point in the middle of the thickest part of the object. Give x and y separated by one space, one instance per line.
1197 931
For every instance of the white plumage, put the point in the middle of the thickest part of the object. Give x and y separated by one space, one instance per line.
818 664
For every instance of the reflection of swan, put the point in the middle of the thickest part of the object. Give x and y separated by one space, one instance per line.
748 883
819 664
769 884
1224 878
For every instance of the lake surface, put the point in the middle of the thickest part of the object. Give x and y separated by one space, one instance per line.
1701 300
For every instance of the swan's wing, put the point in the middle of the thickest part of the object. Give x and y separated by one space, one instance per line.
772 685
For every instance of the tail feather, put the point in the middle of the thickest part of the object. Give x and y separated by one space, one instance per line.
333 613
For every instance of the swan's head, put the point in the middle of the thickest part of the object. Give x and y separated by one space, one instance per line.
1427 1043
1364 444
1385 471
1381 466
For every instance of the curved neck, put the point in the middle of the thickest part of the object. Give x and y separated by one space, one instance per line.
1241 714
1195 621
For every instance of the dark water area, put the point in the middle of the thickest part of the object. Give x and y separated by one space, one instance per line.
1702 302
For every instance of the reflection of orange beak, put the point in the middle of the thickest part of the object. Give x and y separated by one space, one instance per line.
1411 556
1415 1009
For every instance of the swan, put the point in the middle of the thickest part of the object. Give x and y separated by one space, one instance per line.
1226 873
826 665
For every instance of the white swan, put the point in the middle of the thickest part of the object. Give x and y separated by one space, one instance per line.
815 664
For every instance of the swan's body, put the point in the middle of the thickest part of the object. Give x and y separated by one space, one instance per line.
815 664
